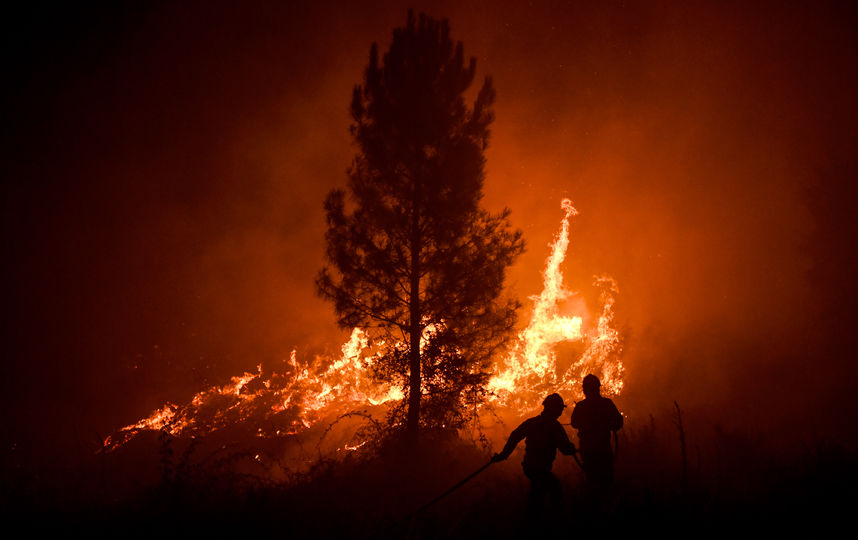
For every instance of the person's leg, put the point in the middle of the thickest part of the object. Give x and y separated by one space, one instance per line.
599 470
555 492
539 488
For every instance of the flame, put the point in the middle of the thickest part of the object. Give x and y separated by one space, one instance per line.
531 371
298 398
298 395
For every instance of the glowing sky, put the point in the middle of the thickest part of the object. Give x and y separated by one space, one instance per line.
165 170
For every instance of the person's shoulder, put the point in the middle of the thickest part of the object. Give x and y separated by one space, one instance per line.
529 422
542 422
585 403
607 405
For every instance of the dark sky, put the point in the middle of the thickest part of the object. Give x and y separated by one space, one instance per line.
165 166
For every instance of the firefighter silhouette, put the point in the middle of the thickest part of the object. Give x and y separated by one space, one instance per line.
595 418
543 436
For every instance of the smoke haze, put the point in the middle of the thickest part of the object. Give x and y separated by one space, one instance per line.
165 169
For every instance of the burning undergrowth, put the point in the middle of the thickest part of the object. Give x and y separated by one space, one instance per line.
305 410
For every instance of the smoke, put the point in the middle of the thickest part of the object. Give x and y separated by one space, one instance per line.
689 139
166 167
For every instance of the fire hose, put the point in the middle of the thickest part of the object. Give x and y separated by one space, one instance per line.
410 517
469 478
459 484
575 455
616 449
577 460
616 446
454 488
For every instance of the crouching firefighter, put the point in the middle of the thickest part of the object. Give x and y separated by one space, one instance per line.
543 436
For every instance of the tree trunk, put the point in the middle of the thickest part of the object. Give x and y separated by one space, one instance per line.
413 418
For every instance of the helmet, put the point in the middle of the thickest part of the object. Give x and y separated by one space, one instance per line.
554 400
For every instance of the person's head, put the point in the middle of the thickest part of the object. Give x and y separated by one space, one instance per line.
592 386
553 405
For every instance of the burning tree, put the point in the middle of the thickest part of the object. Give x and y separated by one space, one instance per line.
413 258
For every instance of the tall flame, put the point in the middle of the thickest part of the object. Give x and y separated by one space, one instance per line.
531 370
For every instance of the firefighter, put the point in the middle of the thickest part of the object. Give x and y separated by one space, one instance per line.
543 436
595 418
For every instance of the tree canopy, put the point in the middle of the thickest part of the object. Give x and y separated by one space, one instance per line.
413 258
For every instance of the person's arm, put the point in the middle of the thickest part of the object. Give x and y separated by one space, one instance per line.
563 443
617 420
575 419
514 438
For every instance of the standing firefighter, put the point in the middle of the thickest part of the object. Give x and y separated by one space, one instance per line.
595 417
543 436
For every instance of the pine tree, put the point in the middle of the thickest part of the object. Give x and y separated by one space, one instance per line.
411 254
